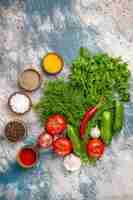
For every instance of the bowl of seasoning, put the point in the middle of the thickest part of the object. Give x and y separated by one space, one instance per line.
19 103
52 63
27 156
29 80
15 131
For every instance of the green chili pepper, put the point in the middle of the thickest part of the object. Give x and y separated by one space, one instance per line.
79 146
84 155
106 127
74 139
118 117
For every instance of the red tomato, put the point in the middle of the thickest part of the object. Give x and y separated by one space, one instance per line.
62 146
44 140
56 124
95 148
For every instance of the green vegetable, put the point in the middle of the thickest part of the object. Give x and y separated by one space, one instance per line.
74 137
59 97
100 75
79 147
106 127
92 124
84 155
118 116
91 76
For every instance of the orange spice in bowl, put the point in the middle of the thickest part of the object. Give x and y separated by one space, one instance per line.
52 63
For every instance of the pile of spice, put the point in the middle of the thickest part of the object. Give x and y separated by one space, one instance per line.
29 80
27 157
52 63
15 131
19 103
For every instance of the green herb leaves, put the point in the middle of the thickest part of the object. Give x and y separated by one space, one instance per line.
91 77
60 97
100 75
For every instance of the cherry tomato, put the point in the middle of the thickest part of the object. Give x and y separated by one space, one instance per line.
56 124
95 148
44 140
62 146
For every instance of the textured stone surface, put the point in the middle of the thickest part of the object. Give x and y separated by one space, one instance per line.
30 28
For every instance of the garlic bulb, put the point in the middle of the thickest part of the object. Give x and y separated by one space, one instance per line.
72 162
95 132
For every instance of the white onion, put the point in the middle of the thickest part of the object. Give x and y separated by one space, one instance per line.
45 140
72 162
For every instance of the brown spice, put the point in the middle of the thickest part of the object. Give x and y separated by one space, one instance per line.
29 80
15 131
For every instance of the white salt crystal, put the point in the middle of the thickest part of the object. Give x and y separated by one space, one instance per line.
20 103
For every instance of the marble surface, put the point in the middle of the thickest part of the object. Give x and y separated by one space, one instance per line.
29 29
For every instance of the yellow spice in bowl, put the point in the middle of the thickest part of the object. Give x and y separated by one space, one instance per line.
52 63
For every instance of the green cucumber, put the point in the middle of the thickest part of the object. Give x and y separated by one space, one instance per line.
106 127
118 116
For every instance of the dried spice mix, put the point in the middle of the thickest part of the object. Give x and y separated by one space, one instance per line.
29 80
15 131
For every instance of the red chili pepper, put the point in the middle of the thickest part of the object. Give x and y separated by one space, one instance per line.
88 116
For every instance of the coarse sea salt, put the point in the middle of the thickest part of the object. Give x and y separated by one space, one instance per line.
20 103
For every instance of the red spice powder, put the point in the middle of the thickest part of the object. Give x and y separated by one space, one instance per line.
28 156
